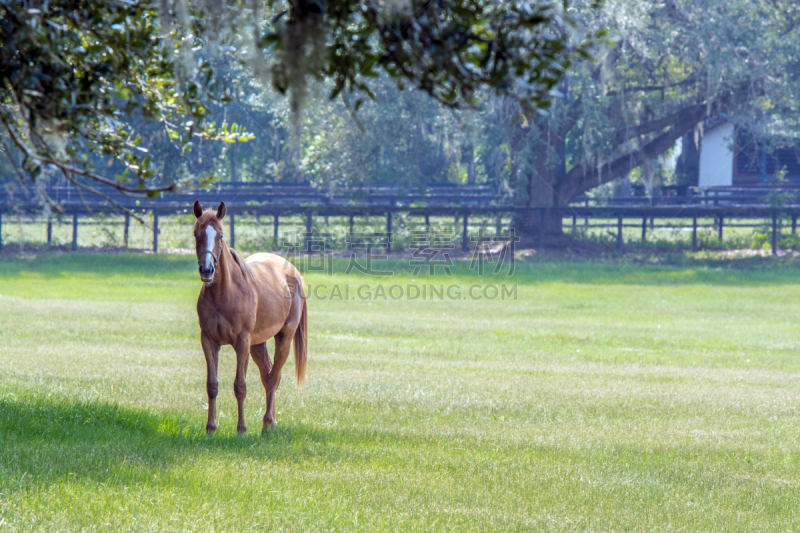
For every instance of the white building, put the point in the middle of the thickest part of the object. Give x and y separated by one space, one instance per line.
731 157
716 155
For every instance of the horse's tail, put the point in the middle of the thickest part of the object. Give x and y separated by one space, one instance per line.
301 345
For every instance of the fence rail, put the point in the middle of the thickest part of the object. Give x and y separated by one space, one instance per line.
433 195
271 193
720 214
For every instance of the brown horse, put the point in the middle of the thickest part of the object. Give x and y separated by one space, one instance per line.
243 303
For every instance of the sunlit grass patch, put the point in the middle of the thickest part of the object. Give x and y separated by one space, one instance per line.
608 395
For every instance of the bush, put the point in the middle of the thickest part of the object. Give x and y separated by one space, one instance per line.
790 242
761 241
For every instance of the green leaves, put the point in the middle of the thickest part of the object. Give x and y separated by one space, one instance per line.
451 50
89 79
74 77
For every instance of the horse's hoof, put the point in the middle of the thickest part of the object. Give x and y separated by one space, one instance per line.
210 431
241 431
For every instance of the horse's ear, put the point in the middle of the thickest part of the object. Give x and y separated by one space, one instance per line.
221 210
198 209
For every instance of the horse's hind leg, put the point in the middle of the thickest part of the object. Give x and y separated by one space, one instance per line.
283 342
260 356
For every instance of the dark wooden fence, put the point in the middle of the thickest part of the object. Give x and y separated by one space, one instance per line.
622 215
254 193
723 205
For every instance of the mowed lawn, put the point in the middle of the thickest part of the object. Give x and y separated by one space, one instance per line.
605 397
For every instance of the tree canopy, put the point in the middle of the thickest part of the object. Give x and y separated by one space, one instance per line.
75 75
676 64
82 81
451 50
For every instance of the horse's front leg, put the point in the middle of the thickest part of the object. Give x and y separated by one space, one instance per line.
211 352
242 348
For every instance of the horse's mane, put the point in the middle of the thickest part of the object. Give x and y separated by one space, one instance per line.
246 270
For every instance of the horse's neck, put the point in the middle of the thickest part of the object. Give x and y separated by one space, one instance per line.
227 270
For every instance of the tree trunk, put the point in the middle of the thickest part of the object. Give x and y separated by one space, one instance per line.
538 168
232 154
468 158
687 168
539 176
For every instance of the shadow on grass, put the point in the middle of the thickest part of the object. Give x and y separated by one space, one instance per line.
46 442
51 441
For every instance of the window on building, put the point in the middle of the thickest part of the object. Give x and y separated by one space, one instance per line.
781 155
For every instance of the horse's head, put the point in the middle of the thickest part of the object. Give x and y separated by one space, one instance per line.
208 239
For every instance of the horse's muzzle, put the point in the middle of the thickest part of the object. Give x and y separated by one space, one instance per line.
206 274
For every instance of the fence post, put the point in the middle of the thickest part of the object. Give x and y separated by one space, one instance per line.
1 230
620 243
349 239
309 222
389 231
574 222
644 229
155 231
75 231
721 225
464 236
125 231
428 222
542 221
774 233
233 230
275 225
49 230
694 234
794 223
498 225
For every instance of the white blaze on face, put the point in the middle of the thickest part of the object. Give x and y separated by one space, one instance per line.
211 235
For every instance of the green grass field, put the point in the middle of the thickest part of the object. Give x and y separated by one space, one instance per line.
609 395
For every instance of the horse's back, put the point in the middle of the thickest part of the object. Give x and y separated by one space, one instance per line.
279 290
272 263
264 257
